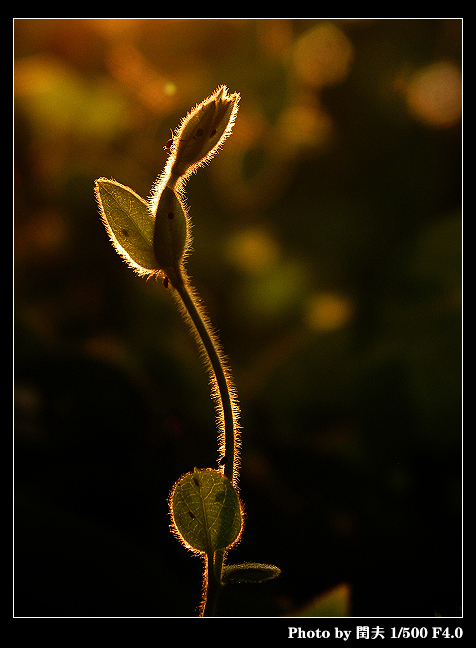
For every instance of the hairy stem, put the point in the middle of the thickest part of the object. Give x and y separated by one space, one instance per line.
221 380
227 420
214 565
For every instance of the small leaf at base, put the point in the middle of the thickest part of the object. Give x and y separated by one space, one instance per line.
249 573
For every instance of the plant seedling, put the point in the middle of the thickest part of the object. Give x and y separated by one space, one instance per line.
154 238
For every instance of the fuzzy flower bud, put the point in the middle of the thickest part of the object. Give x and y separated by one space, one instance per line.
201 134
171 234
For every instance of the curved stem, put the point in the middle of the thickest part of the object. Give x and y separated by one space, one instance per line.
227 420
224 392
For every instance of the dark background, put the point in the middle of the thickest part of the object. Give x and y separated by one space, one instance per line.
327 238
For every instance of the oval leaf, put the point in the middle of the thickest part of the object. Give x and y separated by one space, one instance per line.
129 223
206 511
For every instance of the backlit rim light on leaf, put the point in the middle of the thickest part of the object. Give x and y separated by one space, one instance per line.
219 479
146 265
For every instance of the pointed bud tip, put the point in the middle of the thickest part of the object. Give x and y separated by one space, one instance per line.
202 132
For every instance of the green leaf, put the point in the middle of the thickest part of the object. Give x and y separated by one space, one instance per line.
129 223
249 573
206 511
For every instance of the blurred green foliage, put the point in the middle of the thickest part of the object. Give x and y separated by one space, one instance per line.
327 248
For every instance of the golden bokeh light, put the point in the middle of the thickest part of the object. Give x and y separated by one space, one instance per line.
301 125
253 250
59 101
434 94
322 56
328 312
154 90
